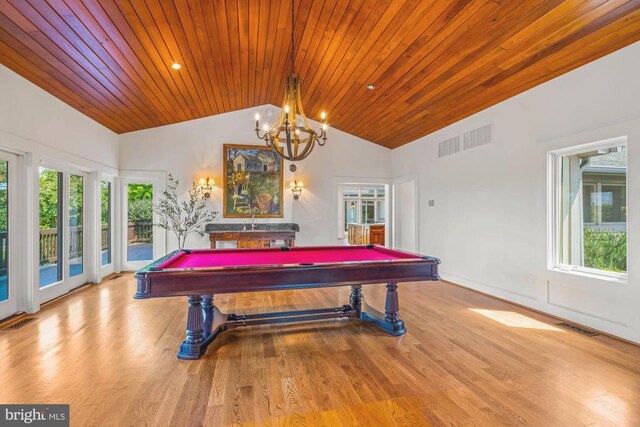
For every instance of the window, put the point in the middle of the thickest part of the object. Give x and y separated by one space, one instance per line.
590 186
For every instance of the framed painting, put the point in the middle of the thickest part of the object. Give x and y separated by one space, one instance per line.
252 181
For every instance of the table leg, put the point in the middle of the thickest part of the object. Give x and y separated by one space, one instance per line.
355 299
389 321
193 346
392 310
207 313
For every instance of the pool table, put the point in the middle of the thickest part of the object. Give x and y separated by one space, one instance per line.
200 274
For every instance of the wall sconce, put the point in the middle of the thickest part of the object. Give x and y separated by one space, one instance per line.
296 189
206 186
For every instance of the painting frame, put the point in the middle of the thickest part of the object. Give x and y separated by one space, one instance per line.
233 192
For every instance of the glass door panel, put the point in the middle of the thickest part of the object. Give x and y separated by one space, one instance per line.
50 230
139 222
4 230
76 211
105 219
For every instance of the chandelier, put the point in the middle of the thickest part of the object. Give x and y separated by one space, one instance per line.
291 135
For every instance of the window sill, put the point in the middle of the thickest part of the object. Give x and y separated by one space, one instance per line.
620 279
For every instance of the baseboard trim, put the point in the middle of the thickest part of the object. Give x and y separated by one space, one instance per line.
553 316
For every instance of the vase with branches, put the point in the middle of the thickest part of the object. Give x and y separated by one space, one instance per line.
183 217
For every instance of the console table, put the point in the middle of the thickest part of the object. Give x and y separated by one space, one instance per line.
261 236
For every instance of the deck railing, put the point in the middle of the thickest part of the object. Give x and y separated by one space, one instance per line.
140 232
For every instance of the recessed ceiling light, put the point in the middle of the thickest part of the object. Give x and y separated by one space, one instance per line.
176 66
371 86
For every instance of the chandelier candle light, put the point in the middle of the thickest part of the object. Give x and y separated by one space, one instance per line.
291 135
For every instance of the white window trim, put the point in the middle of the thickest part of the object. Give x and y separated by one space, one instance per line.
554 201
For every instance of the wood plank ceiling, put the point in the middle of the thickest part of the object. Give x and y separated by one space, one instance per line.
433 62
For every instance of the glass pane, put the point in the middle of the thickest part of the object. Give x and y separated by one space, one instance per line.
380 192
350 212
589 213
76 205
140 222
380 211
351 192
594 233
105 215
614 203
368 211
50 226
368 192
4 229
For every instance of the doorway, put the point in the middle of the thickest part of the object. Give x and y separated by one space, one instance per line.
9 292
62 233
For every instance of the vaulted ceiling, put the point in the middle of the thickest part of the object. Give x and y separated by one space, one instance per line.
432 62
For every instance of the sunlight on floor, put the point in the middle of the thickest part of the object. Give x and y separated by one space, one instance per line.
515 320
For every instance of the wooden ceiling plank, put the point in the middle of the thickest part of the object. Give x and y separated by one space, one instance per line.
263 28
216 80
85 25
144 26
236 54
127 92
490 77
135 37
389 22
31 42
251 14
626 27
330 49
467 39
242 12
13 50
184 33
56 48
315 87
123 39
601 45
219 12
329 19
481 62
222 64
388 72
165 37
55 34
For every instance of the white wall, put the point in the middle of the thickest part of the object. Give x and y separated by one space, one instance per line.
32 120
489 222
193 149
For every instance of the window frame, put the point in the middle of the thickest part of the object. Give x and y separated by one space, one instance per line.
554 210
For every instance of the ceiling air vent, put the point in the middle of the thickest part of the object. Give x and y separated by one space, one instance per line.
449 146
477 137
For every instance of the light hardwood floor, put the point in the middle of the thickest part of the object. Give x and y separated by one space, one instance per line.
467 359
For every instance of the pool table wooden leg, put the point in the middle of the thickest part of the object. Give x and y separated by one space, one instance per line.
355 299
207 312
193 346
390 321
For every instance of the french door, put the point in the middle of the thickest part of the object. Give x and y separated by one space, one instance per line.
62 231
8 234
